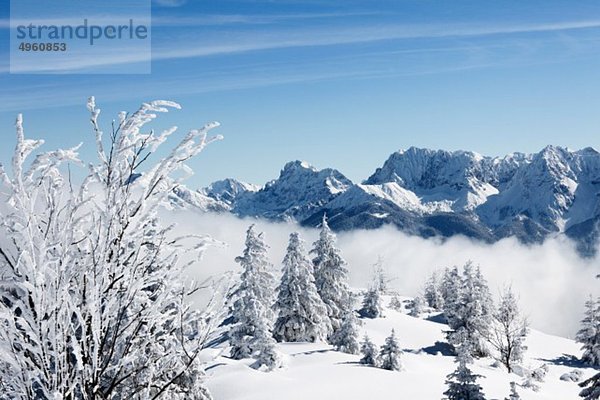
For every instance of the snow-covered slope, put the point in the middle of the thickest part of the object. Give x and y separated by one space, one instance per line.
317 372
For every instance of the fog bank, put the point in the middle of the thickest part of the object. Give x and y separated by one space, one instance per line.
553 282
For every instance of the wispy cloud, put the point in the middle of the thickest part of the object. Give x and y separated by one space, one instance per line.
469 46
249 19
169 3
249 41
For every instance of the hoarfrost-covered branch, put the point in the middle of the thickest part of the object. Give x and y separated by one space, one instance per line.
92 300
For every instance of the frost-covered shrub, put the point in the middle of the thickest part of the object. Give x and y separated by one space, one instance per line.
92 300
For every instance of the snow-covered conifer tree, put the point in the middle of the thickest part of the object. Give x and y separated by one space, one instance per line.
368 351
462 383
451 293
265 351
433 292
302 315
396 303
94 305
470 311
389 354
345 339
589 334
508 331
381 279
591 388
418 307
252 308
372 306
331 276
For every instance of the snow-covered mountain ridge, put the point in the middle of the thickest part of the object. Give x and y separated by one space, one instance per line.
437 193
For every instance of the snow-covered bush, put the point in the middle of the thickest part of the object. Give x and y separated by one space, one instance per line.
572 376
529 383
532 378
92 300
539 374
302 314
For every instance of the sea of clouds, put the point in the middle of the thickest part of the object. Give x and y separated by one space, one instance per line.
552 280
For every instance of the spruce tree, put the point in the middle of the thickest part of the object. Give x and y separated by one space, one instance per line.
368 351
331 276
451 294
372 305
396 303
345 339
389 355
589 334
266 354
302 315
468 309
381 279
462 383
591 388
433 292
252 308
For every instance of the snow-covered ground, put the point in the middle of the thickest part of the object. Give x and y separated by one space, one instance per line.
314 371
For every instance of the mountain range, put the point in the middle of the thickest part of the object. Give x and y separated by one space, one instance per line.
432 193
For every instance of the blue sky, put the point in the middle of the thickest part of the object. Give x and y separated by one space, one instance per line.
340 83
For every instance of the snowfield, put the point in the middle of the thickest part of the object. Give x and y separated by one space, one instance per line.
315 371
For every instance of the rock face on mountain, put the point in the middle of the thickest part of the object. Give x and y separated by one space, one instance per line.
299 192
438 193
